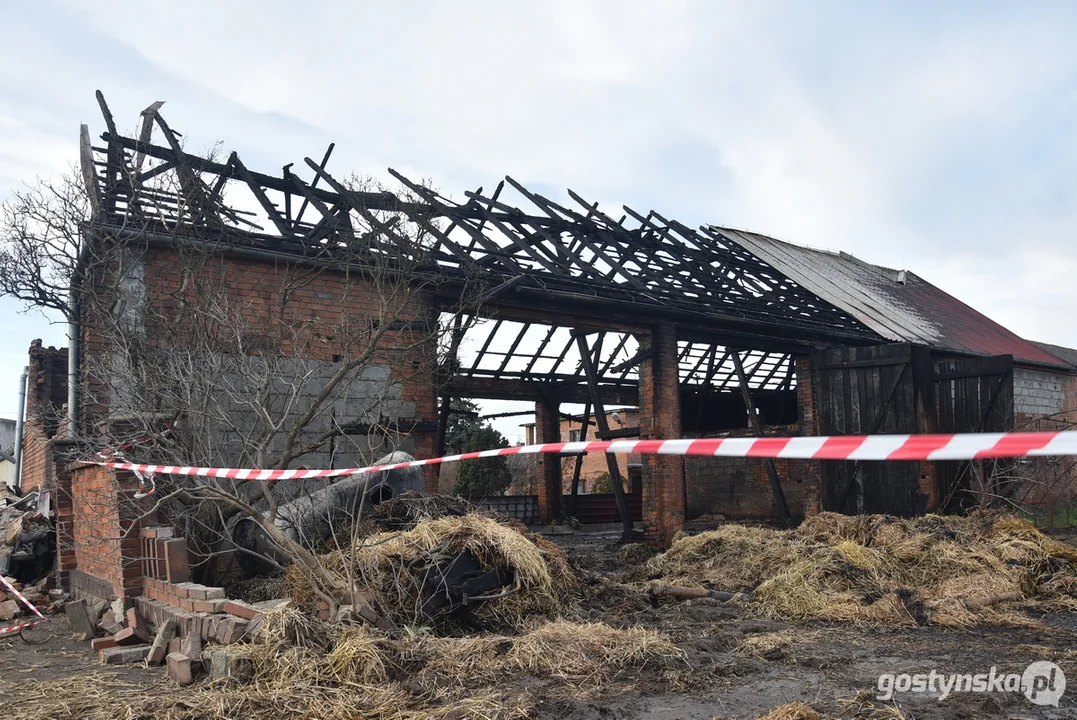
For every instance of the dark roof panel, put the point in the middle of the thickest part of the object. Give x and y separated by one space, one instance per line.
899 305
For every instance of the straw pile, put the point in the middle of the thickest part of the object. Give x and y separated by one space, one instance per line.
954 571
390 565
307 668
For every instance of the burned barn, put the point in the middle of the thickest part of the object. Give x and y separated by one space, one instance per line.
506 294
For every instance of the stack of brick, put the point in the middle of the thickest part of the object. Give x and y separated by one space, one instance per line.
172 622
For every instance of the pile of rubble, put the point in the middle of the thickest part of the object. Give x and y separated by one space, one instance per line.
48 602
29 538
187 635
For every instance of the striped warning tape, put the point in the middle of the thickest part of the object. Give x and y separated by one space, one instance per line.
27 603
967 446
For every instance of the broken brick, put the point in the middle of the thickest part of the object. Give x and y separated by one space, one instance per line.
138 623
103 643
179 669
240 609
159 648
123 655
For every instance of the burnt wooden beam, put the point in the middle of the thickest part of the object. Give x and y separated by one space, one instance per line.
275 217
515 389
603 434
313 185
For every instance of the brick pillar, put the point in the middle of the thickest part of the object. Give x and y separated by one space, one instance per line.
64 453
660 417
106 527
808 423
548 429
424 449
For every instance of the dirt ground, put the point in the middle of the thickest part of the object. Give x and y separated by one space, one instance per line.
736 666
832 667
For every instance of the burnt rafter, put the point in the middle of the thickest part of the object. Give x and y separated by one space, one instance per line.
555 263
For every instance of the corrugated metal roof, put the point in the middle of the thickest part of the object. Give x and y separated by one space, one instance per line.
899 305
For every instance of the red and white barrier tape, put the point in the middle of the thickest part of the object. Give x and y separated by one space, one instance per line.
968 446
27 603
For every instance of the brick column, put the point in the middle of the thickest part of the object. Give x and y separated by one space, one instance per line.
548 429
660 417
808 423
64 452
424 449
107 528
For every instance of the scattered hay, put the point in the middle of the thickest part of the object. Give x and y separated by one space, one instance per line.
954 571
589 651
631 554
359 673
258 589
298 587
793 711
767 645
287 627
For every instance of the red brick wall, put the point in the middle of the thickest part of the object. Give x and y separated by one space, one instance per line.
45 398
36 462
739 488
594 464
107 543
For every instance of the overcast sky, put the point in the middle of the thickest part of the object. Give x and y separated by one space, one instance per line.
938 137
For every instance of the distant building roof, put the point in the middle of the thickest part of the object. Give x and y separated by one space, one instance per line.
1067 354
899 305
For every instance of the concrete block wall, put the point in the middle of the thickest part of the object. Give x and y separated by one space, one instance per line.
1038 393
302 322
1045 402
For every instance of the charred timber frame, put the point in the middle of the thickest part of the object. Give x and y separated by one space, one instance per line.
548 268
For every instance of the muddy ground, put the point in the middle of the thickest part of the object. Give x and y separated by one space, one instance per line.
736 665
832 667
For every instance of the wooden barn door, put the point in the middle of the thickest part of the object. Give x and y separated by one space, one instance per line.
974 395
868 391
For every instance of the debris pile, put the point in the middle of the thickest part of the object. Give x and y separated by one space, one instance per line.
38 595
29 539
954 571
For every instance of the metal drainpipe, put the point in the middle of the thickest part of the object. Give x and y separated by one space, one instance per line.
73 338
19 426
73 369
